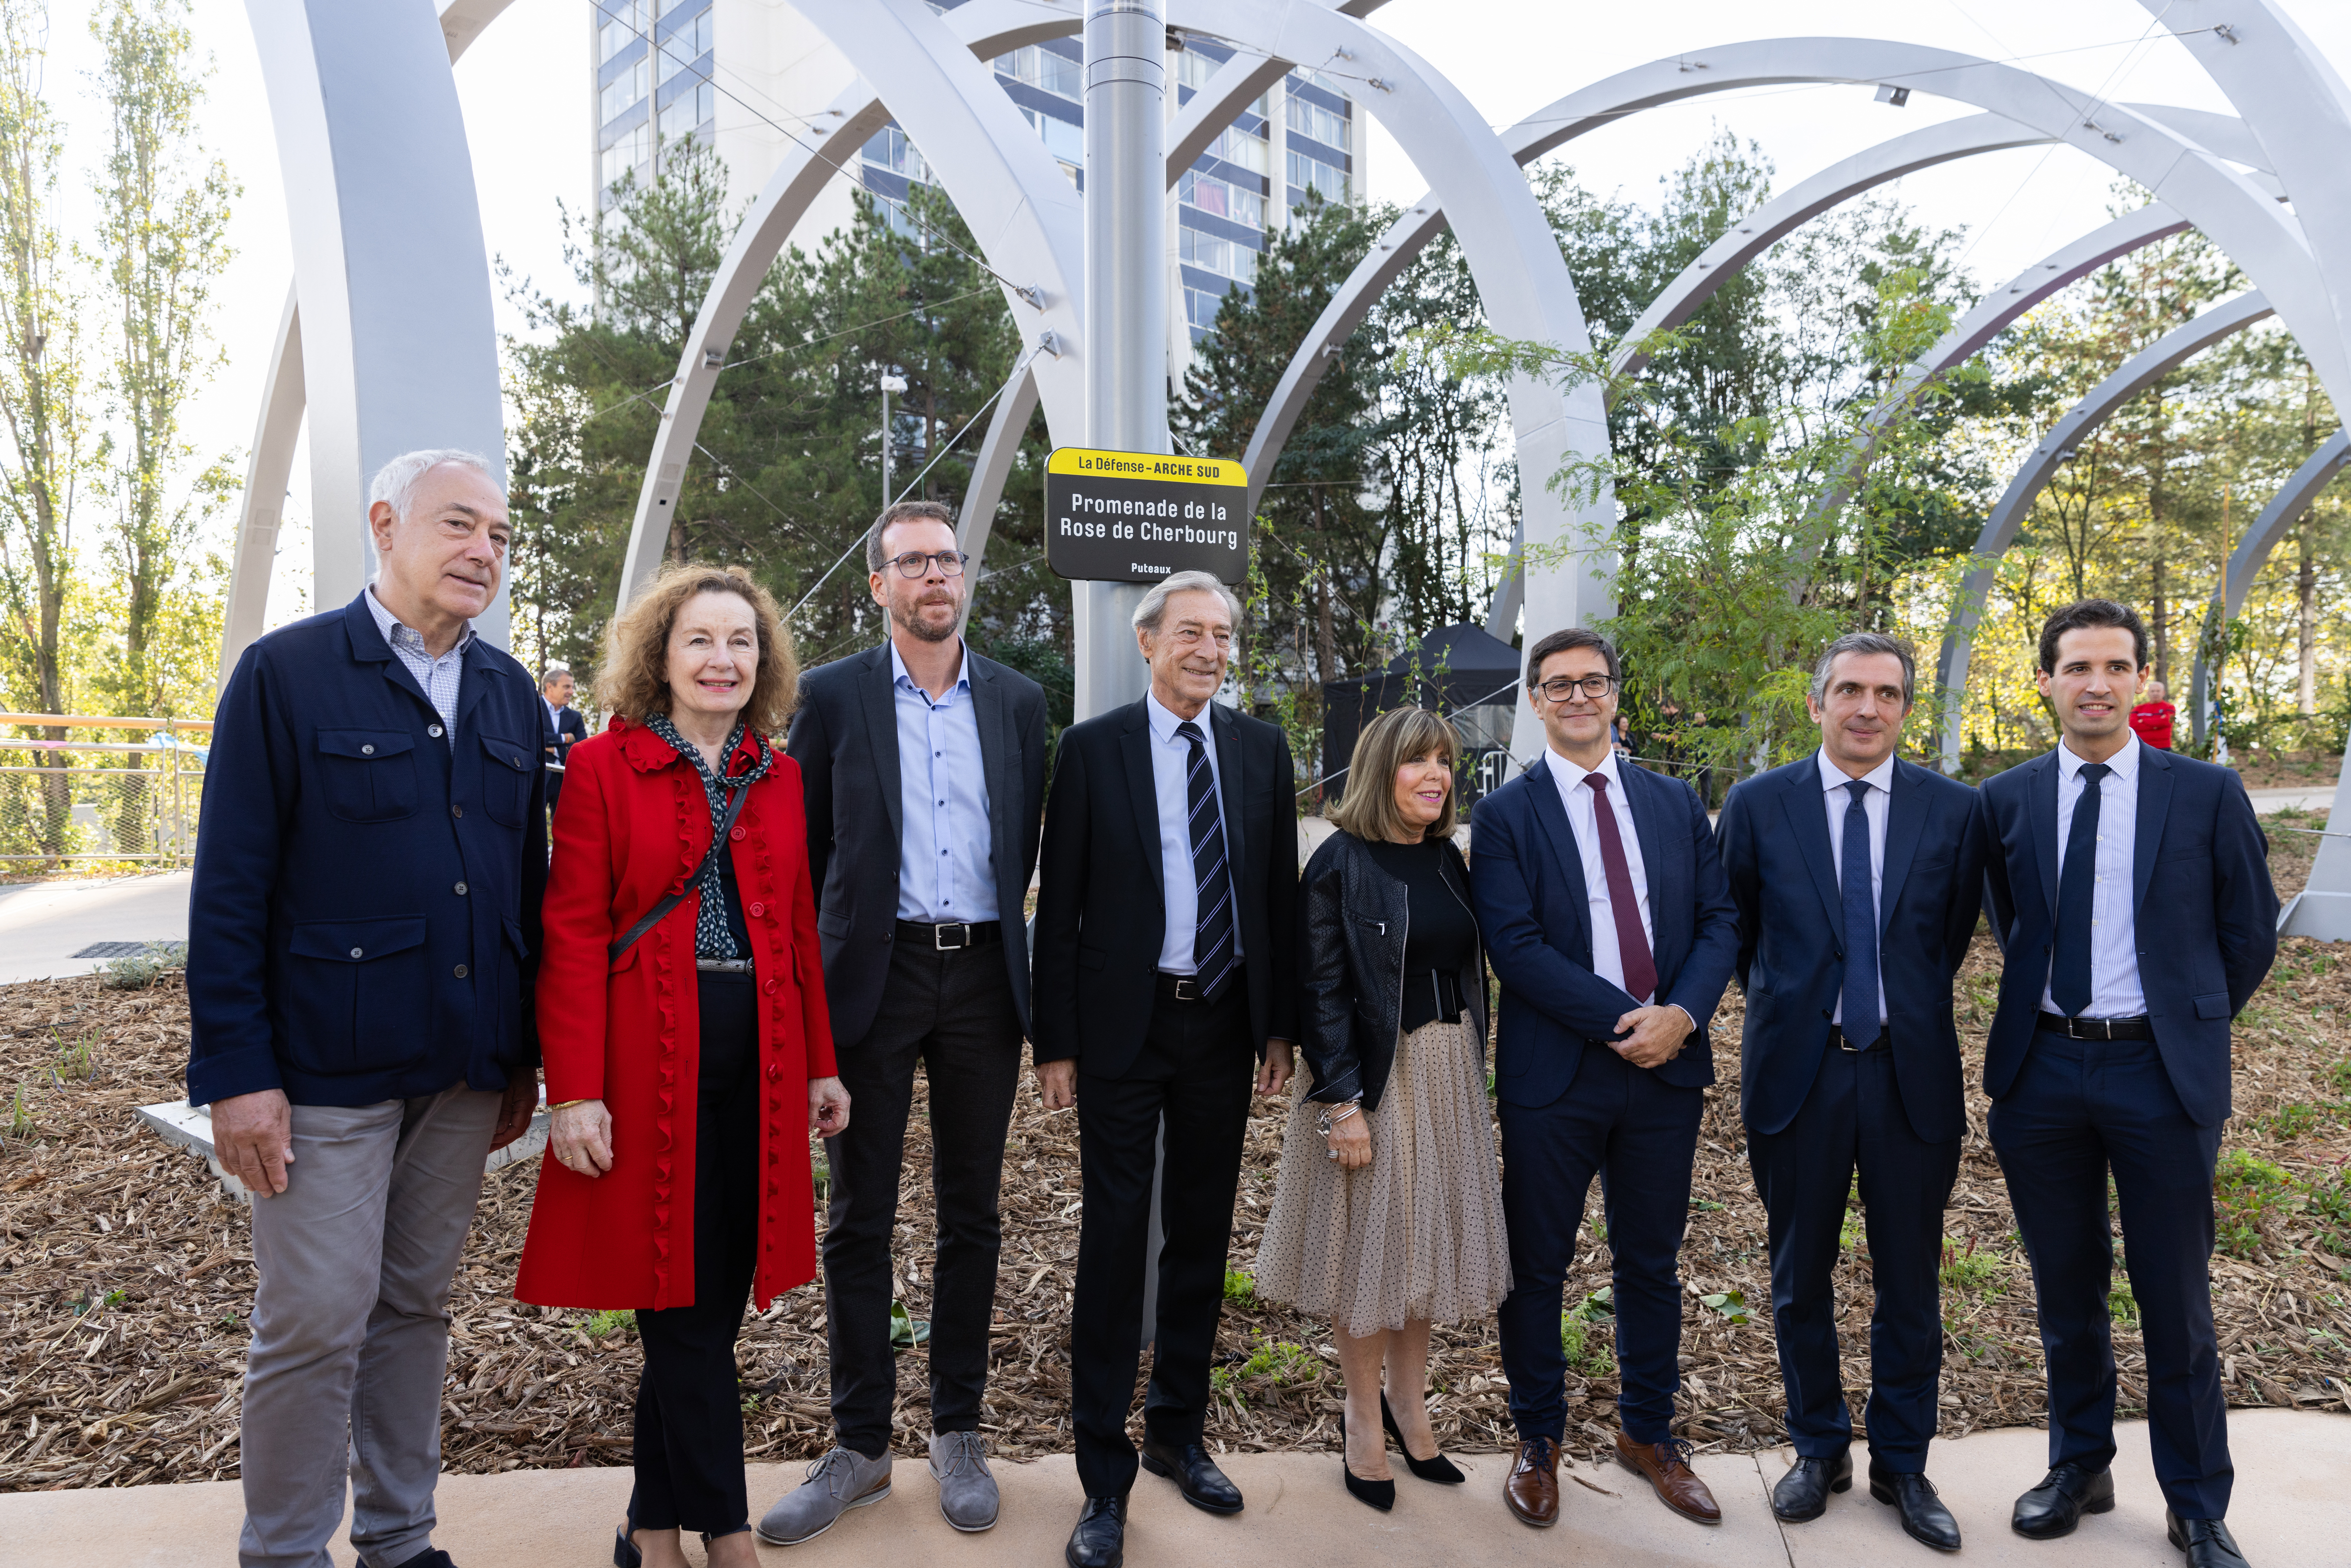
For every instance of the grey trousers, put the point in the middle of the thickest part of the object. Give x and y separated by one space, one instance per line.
350 1326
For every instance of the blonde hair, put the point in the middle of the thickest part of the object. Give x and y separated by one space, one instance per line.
1369 809
634 679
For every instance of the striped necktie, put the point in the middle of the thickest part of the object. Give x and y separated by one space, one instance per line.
1212 934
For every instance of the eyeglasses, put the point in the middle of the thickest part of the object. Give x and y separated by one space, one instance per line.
1563 688
915 564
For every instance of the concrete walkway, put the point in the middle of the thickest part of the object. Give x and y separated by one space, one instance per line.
2293 1510
44 924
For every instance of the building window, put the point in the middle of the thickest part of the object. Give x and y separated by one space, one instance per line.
1221 197
1044 70
1212 253
622 93
1062 140
889 149
1235 145
1313 120
685 45
688 111
624 22
1200 307
1313 174
625 154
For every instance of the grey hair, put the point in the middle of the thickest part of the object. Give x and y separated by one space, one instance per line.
548 676
1147 614
1868 642
395 482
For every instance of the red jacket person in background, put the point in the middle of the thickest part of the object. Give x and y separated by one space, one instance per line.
684 1071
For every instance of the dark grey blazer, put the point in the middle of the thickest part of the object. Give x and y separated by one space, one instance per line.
844 736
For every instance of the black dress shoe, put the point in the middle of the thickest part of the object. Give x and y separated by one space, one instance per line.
1804 1493
1440 1468
1381 1495
1099 1539
2054 1507
431 1557
1923 1518
2206 1542
1194 1474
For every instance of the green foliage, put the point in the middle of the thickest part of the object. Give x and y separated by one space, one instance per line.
21 1124
1280 1362
1587 1334
1240 1290
603 1325
78 1058
2248 1194
2122 1306
1971 1272
1731 1304
906 1331
142 971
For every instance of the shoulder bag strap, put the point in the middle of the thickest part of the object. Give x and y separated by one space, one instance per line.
661 911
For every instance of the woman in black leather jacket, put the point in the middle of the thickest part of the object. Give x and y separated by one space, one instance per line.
1387 1210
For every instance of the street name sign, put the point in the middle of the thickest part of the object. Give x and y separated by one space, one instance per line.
1138 516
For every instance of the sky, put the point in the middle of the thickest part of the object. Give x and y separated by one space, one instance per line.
524 88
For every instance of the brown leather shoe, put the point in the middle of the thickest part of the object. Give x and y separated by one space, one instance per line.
1666 1467
1533 1490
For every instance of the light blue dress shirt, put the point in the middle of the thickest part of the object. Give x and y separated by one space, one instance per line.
2115 992
440 677
946 859
1171 761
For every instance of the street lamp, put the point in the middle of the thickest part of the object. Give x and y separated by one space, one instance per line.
889 385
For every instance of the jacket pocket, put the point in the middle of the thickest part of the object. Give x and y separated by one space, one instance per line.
358 996
368 775
1092 958
506 768
2215 1006
828 924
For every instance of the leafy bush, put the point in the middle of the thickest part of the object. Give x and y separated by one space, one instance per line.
2121 1304
1971 1272
140 970
1586 1333
1241 1289
2247 1193
1280 1362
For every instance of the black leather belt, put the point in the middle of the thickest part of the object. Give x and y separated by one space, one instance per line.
953 936
1444 984
1844 1041
2097 1028
1187 987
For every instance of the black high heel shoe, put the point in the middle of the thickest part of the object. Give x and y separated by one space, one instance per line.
1439 1468
1381 1495
626 1555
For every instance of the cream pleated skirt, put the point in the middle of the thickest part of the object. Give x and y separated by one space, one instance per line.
1416 1235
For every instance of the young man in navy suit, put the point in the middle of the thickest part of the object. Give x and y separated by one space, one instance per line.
1608 919
2130 890
1858 878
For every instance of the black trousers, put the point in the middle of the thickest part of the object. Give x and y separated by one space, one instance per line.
1195 1069
953 1014
689 1433
1852 1120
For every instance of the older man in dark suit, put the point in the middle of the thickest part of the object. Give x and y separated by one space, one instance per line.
1858 878
365 907
923 766
1609 924
1165 968
2130 890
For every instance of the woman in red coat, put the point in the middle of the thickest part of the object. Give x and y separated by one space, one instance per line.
687 1072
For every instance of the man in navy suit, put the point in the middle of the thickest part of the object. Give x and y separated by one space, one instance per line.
1858 878
565 727
2130 890
369 870
1605 913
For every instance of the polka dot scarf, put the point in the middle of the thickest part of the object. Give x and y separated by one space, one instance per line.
711 937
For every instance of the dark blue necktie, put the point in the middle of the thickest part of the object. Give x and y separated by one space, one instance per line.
1212 933
2069 974
1860 1023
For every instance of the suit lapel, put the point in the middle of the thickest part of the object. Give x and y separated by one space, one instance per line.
1906 822
1636 784
881 705
1808 818
1134 751
1000 747
1230 763
1550 814
474 681
2154 805
2040 798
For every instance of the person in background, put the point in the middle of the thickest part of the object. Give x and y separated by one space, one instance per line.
2152 717
565 727
365 906
1387 1210
1858 877
2106 853
1608 919
1165 971
925 767
689 1054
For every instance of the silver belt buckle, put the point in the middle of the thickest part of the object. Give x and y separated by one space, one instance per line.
939 944
1188 988
2074 1026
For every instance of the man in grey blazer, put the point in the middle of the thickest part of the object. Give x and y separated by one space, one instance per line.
924 767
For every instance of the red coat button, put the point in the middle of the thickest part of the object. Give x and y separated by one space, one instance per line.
757 910
774 1073
768 987
738 832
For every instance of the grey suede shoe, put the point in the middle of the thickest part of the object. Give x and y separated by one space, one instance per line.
842 1480
966 1490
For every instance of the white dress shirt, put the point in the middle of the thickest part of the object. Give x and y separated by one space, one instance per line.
1171 761
946 856
1874 806
554 714
2114 991
1577 797
440 677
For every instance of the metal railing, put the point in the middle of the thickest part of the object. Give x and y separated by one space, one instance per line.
133 801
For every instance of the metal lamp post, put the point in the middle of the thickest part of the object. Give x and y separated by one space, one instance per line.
889 385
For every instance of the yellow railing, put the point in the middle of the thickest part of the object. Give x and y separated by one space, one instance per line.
55 812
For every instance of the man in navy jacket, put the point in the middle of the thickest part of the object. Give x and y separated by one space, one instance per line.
369 867
2130 891
1608 919
1858 878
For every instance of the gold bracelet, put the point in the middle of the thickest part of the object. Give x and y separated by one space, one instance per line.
566 1104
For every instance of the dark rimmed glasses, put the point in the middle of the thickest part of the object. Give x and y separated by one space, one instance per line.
917 564
1564 688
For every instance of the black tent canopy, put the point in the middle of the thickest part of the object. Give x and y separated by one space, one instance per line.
1462 670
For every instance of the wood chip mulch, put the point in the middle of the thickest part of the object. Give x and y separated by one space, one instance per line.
125 1275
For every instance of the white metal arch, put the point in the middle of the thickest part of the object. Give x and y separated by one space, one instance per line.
2152 364
2252 552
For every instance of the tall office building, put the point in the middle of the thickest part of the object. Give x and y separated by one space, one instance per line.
751 77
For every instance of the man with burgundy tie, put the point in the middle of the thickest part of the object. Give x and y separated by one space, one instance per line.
2130 891
1858 878
1165 985
1608 920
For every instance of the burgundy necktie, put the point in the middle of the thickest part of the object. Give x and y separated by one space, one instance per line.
1632 943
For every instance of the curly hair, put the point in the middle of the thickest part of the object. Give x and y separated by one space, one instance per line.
634 679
